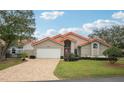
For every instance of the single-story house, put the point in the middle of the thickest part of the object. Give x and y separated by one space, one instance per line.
16 50
62 45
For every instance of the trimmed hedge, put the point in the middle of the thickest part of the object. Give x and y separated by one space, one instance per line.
95 58
89 58
71 59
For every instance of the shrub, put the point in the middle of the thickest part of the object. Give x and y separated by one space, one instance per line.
23 55
32 57
71 57
113 52
61 57
122 53
96 58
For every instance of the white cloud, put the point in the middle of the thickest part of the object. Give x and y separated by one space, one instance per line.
98 24
118 15
49 33
51 15
89 27
65 30
37 34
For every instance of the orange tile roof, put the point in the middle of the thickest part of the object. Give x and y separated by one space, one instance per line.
68 38
93 40
59 35
47 38
72 33
64 37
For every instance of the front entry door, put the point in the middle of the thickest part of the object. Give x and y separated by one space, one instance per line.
67 51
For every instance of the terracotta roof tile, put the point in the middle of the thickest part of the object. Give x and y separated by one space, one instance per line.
59 35
93 40
72 33
65 36
47 38
68 38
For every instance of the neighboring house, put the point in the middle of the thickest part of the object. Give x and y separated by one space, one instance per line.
62 45
16 50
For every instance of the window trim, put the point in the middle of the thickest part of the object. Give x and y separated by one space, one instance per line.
97 49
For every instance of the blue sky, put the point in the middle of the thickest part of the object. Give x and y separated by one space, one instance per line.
49 23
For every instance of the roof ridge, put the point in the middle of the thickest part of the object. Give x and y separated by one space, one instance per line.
54 37
80 36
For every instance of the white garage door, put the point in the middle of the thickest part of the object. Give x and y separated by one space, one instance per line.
48 53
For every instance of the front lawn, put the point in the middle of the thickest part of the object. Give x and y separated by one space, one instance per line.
87 68
9 62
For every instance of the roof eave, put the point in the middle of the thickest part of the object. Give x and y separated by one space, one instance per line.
45 40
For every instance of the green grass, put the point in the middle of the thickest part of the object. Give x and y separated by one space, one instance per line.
87 68
9 62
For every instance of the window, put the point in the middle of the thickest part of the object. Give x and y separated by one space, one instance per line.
13 51
95 45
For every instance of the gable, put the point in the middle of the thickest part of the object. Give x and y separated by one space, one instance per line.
47 43
78 39
102 43
71 36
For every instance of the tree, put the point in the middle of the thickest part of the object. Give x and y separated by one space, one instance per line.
2 44
15 25
113 35
113 53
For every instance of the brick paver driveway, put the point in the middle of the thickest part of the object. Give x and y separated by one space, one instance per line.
33 70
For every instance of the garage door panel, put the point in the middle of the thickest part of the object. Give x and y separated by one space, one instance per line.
48 53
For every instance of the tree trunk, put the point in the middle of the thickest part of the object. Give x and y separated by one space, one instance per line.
3 52
2 55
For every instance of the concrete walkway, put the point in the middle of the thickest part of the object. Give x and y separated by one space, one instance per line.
33 70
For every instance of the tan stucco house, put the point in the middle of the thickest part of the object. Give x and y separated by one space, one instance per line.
61 45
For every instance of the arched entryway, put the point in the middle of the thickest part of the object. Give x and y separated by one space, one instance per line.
67 47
